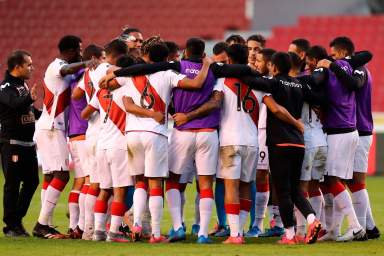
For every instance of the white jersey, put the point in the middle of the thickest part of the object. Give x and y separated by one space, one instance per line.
263 117
57 95
314 135
90 85
112 119
152 92
240 113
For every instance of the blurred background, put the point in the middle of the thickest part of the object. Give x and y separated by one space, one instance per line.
37 26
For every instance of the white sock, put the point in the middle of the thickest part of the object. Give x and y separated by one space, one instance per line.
328 210
51 197
337 220
234 224
277 217
81 222
156 208
205 207
290 232
42 197
360 204
370 222
115 223
139 205
311 218
344 202
243 216
197 209
100 221
174 205
261 202
300 222
317 204
182 197
73 207
270 212
89 217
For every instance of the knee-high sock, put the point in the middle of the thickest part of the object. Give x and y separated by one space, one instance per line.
155 205
117 213
328 208
73 206
51 197
139 202
219 201
42 196
233 211
83 195
182 197
261 202
344 202
89 206
101 208
360 202
317 201
197 208
245 206
206 204
370 221
174 203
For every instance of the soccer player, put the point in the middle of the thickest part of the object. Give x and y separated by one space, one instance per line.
51 128
147 139
134 40
286 147
300 46
220 52
255 43
174 49
235 39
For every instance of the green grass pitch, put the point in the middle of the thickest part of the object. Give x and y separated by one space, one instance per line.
256 246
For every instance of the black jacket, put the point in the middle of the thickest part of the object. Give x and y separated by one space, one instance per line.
17 115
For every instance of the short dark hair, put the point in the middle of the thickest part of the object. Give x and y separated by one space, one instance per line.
195 47
344 43
127 31
16 58
116 47
302 44
258 38
238 53
317 52
92 50
296 62
237 39
158 52
172 46
267 54
220 47
282 61
125 61
69 42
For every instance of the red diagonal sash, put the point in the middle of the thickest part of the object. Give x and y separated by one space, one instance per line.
62 102
116 114
140 83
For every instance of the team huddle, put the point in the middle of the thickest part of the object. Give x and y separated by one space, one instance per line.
280 132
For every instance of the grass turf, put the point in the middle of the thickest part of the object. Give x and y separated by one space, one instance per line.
255 246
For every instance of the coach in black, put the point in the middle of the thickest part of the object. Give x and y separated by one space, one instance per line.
18 153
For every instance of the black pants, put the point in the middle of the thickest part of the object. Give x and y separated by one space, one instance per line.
21 180
285 166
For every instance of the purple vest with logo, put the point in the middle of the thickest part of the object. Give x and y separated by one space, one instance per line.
364 106
341 111
188 100
76 125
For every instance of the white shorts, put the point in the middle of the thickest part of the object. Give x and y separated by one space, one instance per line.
78 151
187 147
91 160
147 154
362 153
314 163
113 168
53 150
263 159
238 163
341 153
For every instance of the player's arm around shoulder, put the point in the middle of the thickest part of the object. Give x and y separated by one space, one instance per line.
199 80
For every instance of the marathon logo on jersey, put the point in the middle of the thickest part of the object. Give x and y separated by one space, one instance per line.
22 90
192 71
291 84
27 119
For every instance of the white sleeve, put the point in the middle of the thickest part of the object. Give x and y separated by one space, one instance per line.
174 77
122 81
95 102
57 67
219 85
260 96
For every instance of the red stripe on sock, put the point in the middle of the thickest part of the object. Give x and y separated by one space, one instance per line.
324 189
337 188
84 189
45 184
58 184
206 193
356 187
93 192
171 185
101 206
245 204
117 208
73 197
262 187
232 209
314 193
142 185
156 192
